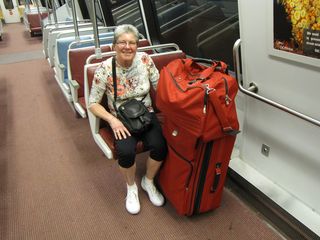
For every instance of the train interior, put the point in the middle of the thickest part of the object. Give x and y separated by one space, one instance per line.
58 178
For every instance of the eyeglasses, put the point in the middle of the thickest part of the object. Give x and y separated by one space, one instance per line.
125 43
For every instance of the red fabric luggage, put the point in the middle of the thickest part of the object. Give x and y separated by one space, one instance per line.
200 128
192 93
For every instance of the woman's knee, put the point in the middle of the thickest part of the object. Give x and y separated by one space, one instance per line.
158 149
126 156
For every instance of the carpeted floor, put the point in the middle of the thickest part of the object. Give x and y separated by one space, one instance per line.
55 183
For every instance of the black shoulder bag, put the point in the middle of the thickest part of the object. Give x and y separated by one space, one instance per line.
133 113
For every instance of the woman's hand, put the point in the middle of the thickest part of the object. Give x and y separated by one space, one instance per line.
119 130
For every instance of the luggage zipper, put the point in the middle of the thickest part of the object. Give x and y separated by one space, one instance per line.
202 177
216 178
190 165
204 86
227 99
206 94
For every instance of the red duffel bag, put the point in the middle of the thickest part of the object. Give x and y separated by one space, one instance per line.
199 98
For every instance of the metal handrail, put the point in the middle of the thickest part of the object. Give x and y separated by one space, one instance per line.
140 49
236 61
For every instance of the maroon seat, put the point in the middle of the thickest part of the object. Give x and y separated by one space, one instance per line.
160 61
34 21
77 59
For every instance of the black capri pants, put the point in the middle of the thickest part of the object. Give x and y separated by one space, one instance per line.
152 139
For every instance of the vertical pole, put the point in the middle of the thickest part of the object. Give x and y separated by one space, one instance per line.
47 7
95 30
39 13
54 12
75 21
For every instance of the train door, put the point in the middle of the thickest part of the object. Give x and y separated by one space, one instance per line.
10 11
279 153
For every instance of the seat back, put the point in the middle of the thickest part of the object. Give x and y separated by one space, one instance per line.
34 21
57 27
76 61
62 46
104 38
54 35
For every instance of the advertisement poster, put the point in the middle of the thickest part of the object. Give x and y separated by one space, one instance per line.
296 27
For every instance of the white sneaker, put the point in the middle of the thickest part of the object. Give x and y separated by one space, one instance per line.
132 200
154 195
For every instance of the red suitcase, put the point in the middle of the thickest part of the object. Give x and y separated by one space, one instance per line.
199 142
193 175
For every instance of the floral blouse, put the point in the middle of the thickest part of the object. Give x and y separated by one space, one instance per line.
132 82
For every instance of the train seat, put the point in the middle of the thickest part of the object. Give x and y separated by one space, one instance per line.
62 46
61 58
34 24
101 132
57 34
76 62
56 27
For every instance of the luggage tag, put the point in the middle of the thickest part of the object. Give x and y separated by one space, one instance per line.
208 90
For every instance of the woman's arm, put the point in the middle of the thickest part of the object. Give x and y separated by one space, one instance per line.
98 110
97 91
153 73
119 130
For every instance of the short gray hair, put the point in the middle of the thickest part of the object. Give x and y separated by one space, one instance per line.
125 28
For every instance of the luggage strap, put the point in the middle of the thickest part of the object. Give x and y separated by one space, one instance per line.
226 127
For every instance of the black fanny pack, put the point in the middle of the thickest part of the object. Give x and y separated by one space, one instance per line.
133 113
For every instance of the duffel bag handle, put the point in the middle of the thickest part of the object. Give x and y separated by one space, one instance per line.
206 70
217 65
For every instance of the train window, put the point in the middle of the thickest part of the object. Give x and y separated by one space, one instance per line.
21 2
128 12
99 13
202 28
8 4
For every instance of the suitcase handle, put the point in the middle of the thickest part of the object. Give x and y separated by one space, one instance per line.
216 178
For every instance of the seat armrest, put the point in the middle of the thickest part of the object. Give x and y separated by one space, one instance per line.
95 126
94 122
60 72
61 66
74 86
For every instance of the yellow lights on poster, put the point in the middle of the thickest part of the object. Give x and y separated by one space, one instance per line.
295 30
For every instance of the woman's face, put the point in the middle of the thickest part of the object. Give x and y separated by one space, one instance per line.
126 48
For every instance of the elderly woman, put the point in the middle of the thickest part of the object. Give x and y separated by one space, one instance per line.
134 72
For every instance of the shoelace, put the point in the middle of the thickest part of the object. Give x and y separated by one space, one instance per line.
153 190
131 195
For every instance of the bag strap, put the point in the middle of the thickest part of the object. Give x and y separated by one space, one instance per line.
226 127
114 78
